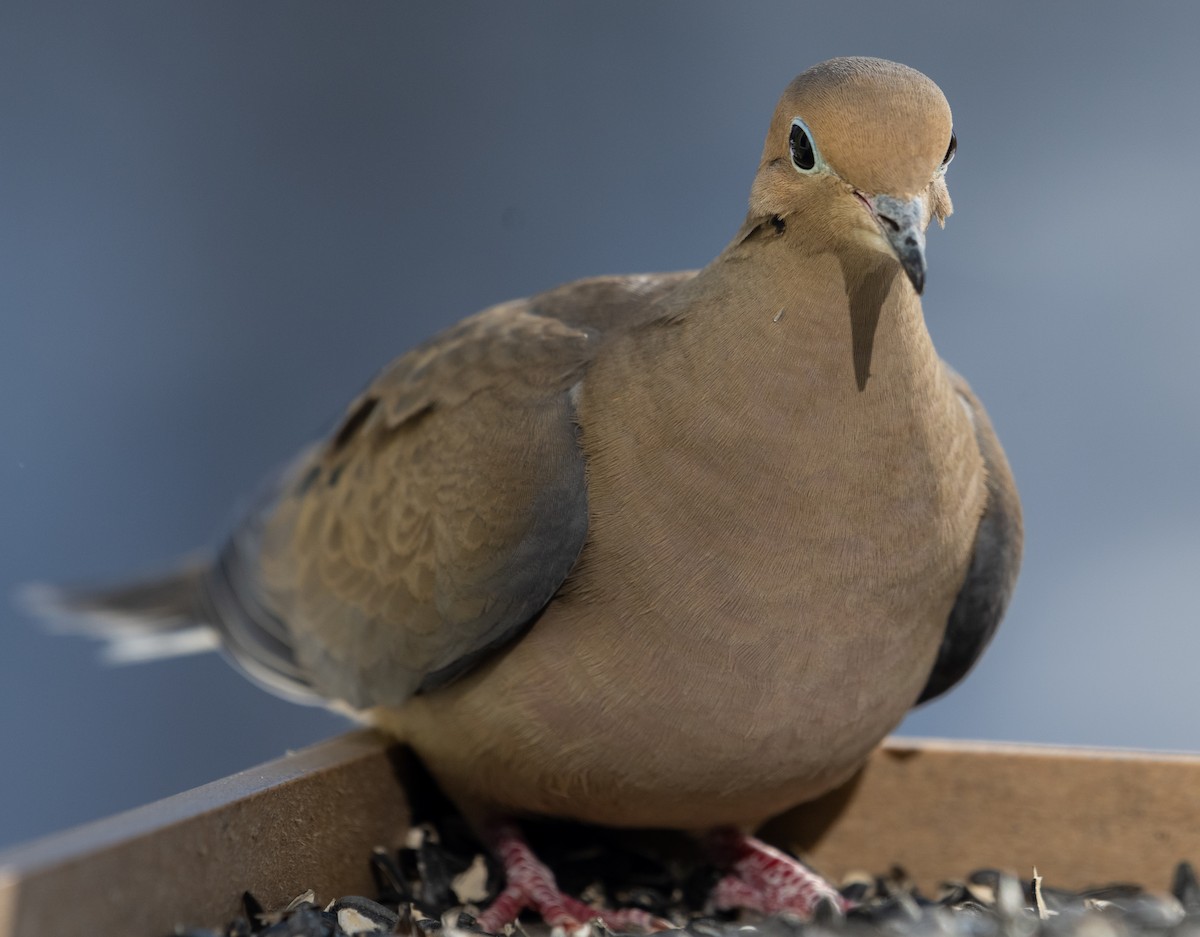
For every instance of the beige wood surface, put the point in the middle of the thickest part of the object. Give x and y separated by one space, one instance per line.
942 808
308 820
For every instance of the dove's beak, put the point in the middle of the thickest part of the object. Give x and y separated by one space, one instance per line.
902 222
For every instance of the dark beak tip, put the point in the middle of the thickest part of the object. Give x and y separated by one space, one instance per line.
917 278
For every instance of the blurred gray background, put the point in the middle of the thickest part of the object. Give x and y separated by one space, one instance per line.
218 220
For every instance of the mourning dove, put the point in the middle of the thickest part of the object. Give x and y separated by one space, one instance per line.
670 550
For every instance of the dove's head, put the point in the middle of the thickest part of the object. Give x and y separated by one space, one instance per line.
857 151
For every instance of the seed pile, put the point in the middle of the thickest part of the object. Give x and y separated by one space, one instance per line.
431 888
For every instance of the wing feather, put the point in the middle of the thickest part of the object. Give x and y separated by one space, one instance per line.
443 512
992 575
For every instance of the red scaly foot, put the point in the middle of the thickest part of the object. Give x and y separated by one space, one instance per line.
761 878
530 884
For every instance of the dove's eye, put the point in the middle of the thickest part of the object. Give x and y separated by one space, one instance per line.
950 150
804 157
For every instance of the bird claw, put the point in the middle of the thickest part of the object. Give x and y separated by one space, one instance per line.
531 884
761 878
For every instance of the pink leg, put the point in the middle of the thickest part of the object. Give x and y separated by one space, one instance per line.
761 878
531 885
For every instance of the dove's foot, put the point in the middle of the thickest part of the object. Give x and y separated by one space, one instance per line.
530 884
761 878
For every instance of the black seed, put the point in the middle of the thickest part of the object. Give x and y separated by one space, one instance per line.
304 921
436 877
390 882
880 909
252 909
1116 891
409 866
706 927
1185 887
648 899
699 885
383 918
826 912
1149 912
989 878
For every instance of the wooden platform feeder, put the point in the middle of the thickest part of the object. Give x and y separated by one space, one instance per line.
310 820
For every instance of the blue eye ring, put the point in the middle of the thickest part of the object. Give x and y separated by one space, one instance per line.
803 150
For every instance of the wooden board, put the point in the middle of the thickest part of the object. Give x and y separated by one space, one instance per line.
310 821
941 809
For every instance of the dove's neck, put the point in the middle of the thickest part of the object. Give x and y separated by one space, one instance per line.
807 336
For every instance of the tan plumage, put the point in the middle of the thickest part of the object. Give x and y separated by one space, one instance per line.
718 521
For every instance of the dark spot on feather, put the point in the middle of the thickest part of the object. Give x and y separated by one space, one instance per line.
765 228
336 474
415 417
866 291
353 424
306 483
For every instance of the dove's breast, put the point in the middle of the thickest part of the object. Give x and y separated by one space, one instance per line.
769 570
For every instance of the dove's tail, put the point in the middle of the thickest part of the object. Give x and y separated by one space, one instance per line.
147 620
